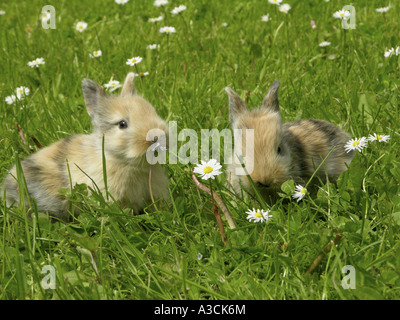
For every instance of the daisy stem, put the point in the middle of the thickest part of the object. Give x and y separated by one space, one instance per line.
321 255
217 216
217 199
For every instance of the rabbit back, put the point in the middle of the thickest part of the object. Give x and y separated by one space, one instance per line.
310 142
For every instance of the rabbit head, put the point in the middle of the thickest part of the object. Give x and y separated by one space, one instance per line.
271 158
129 123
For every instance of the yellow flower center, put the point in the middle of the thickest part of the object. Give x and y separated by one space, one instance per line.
356 143
258 214
379 138
303 191
133 60
341 14
207 169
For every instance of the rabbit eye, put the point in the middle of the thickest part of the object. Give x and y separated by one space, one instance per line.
279 150
122 124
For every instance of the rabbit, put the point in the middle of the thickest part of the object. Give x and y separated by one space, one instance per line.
293 150
126 122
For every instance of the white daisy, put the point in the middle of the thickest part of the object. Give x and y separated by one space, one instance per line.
265 18
342 14
159 3
356 144
167 30
11 99
258 215
121 1
275 1
389 53
112 85
379 138
153 46
156 19
208 169
178 10
398 51
36 62
81 26
141 74
21 92
45 16
300 193
285 8
2 12
224 24
324 44
133 61
382 10
95 54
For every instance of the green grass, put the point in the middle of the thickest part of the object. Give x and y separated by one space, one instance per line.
110 254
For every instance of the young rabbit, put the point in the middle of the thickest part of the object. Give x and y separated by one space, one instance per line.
125 121
284 151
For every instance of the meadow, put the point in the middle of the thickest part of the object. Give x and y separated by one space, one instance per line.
176 251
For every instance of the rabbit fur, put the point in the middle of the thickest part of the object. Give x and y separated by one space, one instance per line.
284 151
125 121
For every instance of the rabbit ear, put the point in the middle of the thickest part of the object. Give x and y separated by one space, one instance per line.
92 92
128 87
236 104
271 99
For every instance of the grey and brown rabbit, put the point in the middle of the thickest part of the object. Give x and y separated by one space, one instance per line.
284 151
126 122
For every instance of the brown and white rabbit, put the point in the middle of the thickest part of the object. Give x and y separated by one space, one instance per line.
284 151
126 122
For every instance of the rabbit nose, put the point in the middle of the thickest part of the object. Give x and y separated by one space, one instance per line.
262 185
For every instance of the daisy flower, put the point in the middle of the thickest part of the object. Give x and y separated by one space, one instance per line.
95 54
178 10
133 61
265 18
208 169
285 8
167 30
2 12
275 2
156 19
356 144
153 46
159 3
45 16
398 51
342 14
36 62
379 137
112 85
383 10
389 53
141 74
11 99
81 26
22 92
324 44
258 215
121 1
300 193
